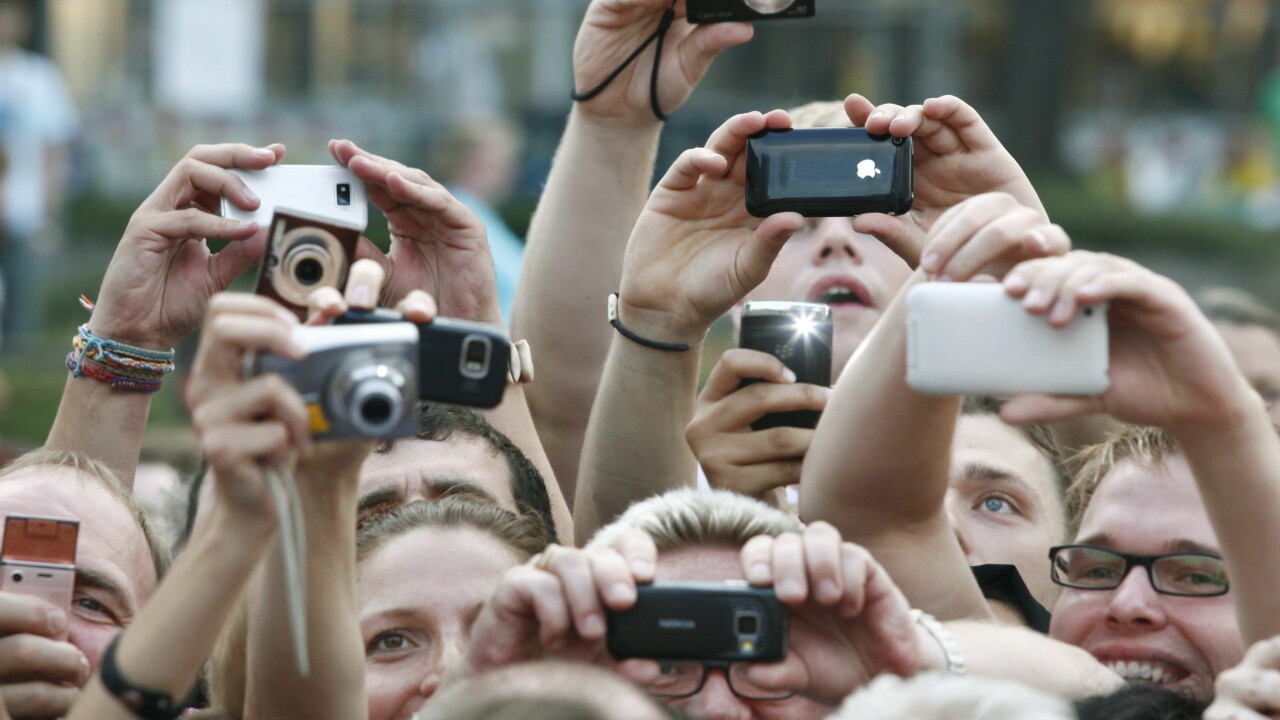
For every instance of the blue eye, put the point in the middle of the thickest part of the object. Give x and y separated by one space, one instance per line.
997 504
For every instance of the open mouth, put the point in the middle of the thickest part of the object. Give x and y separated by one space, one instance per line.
1151 672
840 295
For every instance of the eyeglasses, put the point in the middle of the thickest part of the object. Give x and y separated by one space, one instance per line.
1089 567
685 678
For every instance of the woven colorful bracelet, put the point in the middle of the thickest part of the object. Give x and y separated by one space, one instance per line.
79 368
118 361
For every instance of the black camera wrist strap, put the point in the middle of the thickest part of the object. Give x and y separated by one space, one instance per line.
659 35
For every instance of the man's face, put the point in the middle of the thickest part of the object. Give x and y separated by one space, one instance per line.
1133 629
1257 352
419 595
1004 501
114 571
432 469
827 262
716 701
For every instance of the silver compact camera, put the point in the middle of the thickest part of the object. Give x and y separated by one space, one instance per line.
358 381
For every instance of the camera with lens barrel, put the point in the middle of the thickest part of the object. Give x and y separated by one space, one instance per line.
358 381
304 252
364 375
717 11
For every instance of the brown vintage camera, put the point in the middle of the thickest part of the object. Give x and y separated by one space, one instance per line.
303 253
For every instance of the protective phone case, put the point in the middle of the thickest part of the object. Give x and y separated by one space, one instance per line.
330 192
700 621
974 339
828 172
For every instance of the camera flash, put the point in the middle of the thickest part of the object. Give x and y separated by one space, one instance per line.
805 325
746 646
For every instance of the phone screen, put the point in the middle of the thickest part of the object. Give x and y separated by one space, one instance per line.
828 172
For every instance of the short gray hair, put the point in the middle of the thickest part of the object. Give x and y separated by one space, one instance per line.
934 696
692 518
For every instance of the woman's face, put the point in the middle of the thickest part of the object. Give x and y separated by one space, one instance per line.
419 595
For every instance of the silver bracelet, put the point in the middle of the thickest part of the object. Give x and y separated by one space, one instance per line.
956 664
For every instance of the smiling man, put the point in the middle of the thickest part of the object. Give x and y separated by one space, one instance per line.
1172 621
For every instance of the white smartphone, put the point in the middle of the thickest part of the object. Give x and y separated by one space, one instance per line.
38 558
974 339
330 192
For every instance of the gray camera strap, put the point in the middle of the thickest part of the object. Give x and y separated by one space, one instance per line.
659 35
293 547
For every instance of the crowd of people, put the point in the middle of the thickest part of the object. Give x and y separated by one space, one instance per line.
1032 556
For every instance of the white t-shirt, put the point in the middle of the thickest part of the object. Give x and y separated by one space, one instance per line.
36 112
793 491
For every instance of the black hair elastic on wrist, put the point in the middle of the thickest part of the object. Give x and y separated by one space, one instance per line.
660 34
146 704
617 325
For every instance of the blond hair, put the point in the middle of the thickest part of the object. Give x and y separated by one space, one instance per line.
690 518
1144 445
820 114
935 696
100 471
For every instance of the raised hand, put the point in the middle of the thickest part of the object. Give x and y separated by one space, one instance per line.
734 456
956 157
613 29
437 244
695 251
162 275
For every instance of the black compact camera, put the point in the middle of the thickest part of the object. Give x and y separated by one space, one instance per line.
303 253
828 172
730 621
716 11
800 335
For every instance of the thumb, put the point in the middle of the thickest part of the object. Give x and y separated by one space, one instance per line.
1040 408
702 45
757 256
896 234
231 261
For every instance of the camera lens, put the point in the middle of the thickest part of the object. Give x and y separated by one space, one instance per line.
376 410
769 7
308 271
747 623
344 194
475 356
17 577
376 406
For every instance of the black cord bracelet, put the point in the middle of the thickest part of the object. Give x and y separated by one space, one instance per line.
659 35
146 704
617 325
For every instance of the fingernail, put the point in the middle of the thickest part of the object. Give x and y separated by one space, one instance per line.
618 592
85 670
1061 311
788 375
1035 297
758 574
1090 288
362 296
944 278
790 588
931 262
249 225
593 625
1040 240
264 154
56 620
641 568
298 349
286 316
874 115
1015 282
828 592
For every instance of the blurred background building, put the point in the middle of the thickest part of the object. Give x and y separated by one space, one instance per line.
1152 127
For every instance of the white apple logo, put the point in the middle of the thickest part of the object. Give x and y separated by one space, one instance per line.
867 168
